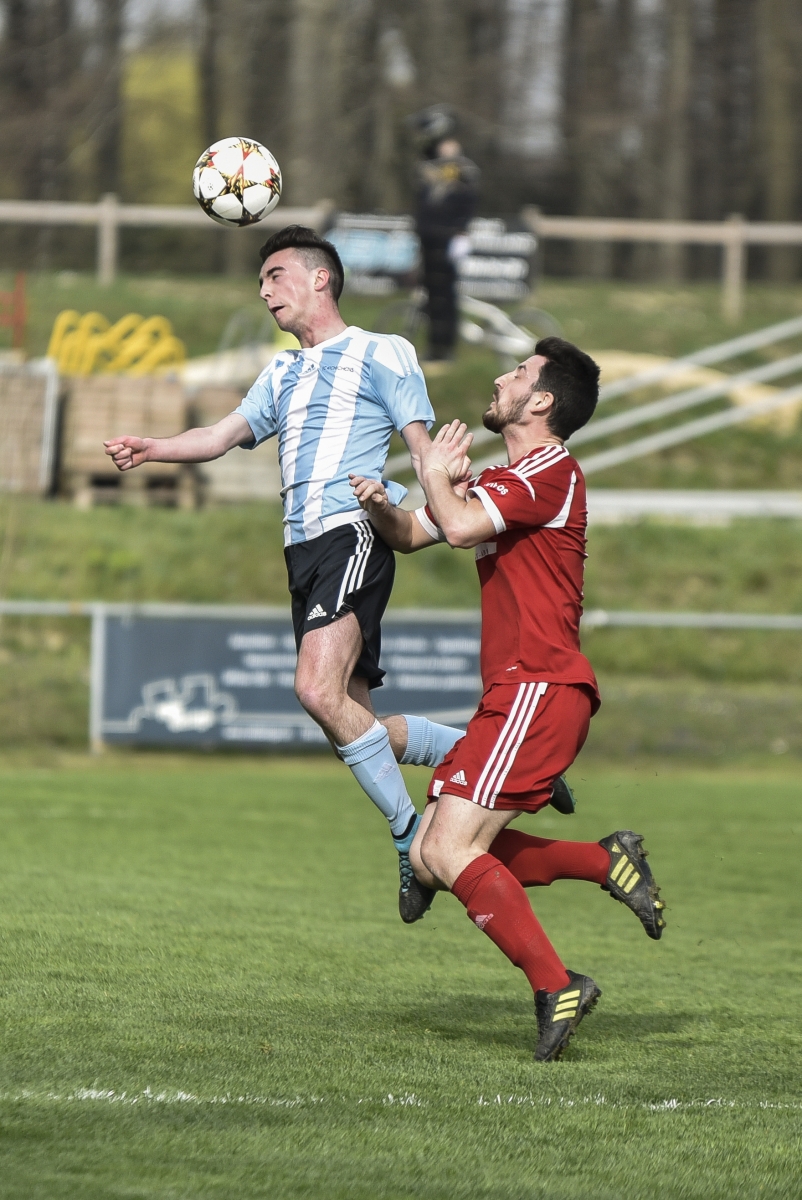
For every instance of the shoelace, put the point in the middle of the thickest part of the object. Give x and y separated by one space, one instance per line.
405 870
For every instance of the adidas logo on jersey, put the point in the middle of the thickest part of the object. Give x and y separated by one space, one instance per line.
317 611
459 778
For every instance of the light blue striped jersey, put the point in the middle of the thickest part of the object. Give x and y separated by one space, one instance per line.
334 408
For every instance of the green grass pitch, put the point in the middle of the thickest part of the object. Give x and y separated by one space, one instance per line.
206 992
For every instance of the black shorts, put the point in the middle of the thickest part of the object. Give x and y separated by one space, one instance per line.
348 569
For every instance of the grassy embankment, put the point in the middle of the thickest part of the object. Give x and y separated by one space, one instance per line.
668 691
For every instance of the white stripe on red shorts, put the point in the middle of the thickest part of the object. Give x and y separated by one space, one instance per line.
502 756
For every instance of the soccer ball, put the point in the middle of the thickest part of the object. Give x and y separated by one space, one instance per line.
237 181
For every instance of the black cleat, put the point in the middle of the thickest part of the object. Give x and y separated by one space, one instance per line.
559 1013
414 900
631 881
562 797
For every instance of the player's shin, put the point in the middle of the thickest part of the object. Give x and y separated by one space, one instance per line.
376 771
427 742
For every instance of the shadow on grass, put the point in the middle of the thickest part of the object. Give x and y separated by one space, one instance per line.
488 1020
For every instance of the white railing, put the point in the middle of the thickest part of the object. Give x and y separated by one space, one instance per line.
613 506
769 335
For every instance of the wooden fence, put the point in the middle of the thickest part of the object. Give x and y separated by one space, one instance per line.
109 215
733 235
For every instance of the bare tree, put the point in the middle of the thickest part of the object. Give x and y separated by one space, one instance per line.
735 82
599 36
779 47
109 92
210 25
676 112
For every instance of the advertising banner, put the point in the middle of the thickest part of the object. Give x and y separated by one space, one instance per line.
225 680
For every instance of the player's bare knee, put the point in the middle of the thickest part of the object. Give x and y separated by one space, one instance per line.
435 855
318 698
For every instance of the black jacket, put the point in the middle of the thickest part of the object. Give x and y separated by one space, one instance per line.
448 190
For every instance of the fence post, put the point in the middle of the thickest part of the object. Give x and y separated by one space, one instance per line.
734 268
107 239
530 216
97 676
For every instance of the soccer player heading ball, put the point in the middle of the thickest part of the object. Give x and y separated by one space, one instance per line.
527 523
333 405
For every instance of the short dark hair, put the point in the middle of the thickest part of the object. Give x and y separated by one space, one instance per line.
572 377
315 251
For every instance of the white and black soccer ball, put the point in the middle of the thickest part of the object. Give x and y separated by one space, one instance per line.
237 181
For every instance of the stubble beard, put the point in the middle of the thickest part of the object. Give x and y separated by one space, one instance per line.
491 421
497 422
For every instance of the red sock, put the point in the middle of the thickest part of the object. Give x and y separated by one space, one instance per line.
497 903
537 862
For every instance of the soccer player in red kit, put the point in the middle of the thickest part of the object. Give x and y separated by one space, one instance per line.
527 524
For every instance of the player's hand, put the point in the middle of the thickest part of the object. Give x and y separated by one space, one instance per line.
371 494
448 454
127 452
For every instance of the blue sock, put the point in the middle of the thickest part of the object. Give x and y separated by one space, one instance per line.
427 742
374 767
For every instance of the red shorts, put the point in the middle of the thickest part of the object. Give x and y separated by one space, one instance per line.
521 737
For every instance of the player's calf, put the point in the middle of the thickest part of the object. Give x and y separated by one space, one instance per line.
630 880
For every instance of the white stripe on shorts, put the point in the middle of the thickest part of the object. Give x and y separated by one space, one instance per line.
503 754
368 537
355 568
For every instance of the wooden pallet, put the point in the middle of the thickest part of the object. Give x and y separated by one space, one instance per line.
27 431
103 407
241 475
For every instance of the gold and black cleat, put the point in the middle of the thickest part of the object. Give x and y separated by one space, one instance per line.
559 1013
631 881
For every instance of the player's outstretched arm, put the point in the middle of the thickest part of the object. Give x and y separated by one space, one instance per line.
446 467
401 530
194 445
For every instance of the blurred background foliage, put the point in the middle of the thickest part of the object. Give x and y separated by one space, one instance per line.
649 108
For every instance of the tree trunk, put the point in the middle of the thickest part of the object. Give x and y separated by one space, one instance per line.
18 65
313 103
598 42
779 99
674 205
110 70
207 64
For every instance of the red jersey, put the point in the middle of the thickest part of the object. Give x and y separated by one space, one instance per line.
532 571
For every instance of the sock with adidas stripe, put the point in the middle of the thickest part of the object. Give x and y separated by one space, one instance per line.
537 862
427 742
373 764
497 904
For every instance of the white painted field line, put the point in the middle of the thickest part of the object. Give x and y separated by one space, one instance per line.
149 1096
